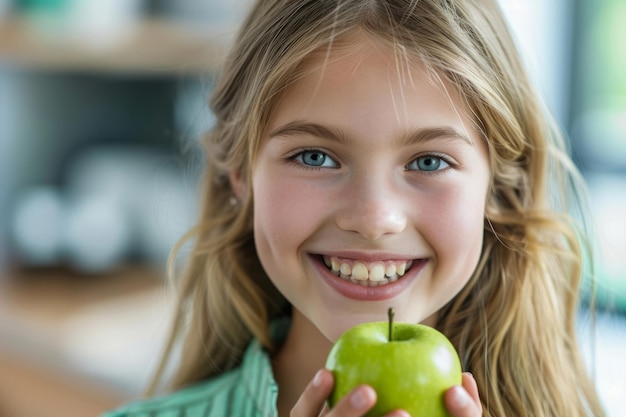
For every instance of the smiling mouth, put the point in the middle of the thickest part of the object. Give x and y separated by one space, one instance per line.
367 274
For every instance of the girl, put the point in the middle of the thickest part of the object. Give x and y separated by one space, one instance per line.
370 154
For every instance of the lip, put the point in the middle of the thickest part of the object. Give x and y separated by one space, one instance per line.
369 257
359 292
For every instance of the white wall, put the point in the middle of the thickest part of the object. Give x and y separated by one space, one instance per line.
542 28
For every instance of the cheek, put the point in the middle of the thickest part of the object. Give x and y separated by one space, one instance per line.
458 234
285 215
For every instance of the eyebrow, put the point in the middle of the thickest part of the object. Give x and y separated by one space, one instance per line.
428 134
422 135
302 128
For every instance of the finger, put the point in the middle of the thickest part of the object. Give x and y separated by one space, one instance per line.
469 383
314 396
463 401
356 403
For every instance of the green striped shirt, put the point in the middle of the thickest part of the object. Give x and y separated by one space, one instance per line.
246 391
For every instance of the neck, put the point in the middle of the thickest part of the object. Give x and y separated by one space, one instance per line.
301 356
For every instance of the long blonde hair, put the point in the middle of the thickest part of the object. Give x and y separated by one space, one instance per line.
514 322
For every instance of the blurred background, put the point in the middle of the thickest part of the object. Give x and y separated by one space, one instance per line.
101 106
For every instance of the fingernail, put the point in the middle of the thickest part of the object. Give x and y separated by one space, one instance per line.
460 397
398 413
317 379
359 399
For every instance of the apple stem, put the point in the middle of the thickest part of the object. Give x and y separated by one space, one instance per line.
390 315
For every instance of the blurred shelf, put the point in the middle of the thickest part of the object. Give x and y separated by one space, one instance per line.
149 47
74 344
50 295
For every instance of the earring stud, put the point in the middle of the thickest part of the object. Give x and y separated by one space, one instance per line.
233 201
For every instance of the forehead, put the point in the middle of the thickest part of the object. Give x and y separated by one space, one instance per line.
373 77
348 53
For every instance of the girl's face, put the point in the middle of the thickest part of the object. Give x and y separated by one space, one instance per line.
369 191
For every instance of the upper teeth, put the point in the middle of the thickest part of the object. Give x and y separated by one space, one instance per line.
379 272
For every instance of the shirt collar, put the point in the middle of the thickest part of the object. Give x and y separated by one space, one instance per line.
258 377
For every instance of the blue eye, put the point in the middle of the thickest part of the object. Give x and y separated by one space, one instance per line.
317 159
428 163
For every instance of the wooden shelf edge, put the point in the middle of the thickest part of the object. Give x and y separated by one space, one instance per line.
148 47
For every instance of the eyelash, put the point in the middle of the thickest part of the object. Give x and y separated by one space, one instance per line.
294 159
434 155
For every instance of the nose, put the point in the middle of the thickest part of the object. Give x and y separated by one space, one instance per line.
371 208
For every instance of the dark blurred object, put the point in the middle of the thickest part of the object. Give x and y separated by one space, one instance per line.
5 164
118 203
82 152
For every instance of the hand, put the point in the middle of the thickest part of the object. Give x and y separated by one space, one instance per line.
312 402
463 401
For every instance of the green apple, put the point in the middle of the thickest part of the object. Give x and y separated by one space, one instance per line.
409 365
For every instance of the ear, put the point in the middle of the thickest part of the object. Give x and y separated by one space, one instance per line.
237 184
